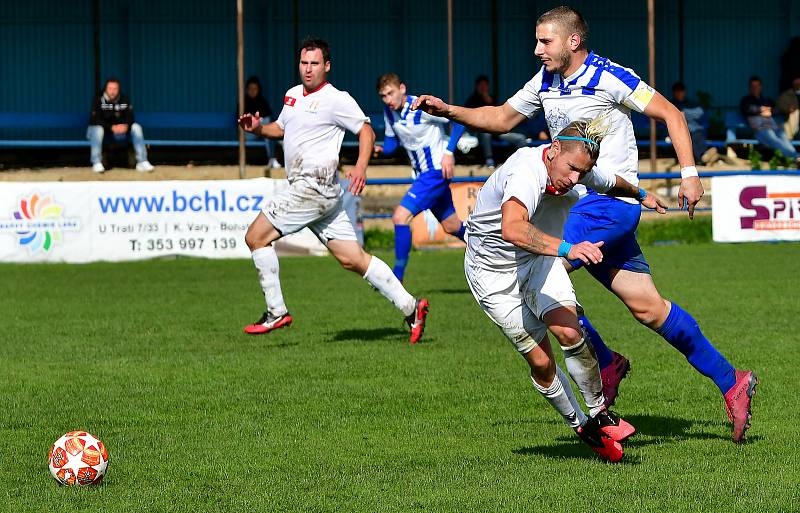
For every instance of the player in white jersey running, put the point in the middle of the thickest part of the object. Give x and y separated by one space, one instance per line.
431 154
312 123
574 83
514 239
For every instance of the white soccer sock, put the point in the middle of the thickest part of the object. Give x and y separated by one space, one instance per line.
380 276
266 261
582 366
570 394
558 399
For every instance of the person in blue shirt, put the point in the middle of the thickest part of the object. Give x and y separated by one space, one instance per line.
430 151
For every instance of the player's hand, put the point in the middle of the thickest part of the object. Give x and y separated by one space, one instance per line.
653 202
587 252
448 166
431 104
689 193
249 122
358 179
377 150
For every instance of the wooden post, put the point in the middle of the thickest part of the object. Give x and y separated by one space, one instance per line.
450 85
651 50
240 78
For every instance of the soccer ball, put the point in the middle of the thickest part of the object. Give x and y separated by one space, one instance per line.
78 458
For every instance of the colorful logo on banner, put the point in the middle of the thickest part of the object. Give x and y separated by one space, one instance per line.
38 223
771 210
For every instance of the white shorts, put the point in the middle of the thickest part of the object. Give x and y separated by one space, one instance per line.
297 206
517 300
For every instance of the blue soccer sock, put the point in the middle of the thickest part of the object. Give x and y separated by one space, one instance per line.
402 247
604 356
461 231
682 332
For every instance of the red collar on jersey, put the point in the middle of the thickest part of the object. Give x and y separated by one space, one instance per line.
549 189
306 93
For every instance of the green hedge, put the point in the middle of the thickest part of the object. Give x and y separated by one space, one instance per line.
674 230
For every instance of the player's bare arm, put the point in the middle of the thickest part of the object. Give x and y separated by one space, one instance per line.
625 189
252 123
358 173
691 190
448 165
498 120
517 230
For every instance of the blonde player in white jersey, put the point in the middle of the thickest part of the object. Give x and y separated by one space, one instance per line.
514 239
574 83
312 123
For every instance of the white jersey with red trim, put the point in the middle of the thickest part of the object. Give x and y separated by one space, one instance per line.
314 125
524 177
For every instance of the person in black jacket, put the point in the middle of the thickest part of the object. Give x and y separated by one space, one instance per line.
255 103
112 114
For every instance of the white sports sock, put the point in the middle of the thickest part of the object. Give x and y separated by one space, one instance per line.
380 276
570 394
582 366
558 399
266 261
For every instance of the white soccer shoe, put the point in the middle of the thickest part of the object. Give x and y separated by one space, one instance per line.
144 167
98 168
466 143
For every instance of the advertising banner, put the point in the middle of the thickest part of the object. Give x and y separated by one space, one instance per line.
425 228
756 208
116 221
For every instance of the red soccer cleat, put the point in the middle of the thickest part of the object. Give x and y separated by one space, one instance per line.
416 321
738 401
267 323
599 442
617 428
612 375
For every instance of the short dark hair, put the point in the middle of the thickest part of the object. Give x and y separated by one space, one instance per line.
678 86
568 19
313 43
481 78
755 78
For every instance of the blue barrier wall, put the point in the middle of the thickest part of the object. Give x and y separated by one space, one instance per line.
181 55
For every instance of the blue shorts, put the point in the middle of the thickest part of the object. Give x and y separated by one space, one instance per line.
430 191
595 218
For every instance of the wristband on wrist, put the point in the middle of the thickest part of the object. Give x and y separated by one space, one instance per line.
563 248
642 194
688 172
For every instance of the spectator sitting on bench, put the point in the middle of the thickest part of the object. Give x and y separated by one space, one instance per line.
480 97
757 110
695 119
112 113
255 103
788 103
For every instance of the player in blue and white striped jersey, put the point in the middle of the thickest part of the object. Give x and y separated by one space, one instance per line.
431 154
575 84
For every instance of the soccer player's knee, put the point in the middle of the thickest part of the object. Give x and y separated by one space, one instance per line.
651 313
566 335
400 217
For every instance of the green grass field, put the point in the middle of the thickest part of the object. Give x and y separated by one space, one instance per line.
339 413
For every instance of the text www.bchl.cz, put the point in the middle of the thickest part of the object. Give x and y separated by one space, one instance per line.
205 202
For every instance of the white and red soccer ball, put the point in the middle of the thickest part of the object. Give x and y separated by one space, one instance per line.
78 458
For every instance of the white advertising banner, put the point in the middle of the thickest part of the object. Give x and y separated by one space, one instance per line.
115 221
756 208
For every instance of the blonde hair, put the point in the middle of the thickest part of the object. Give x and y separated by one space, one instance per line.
388 79
593 131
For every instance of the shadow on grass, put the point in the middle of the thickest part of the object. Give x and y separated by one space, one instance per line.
463 290
369 335
572 448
